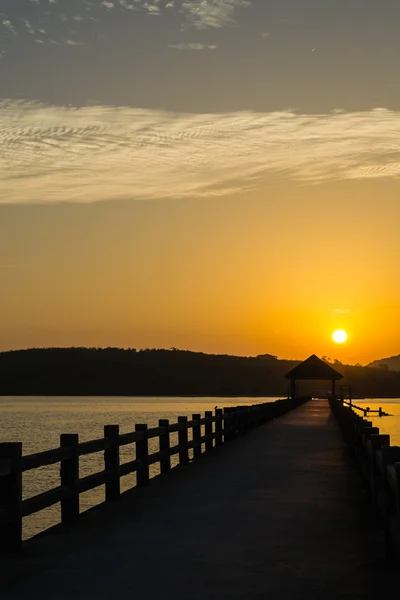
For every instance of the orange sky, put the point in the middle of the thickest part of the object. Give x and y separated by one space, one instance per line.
214 175
274 270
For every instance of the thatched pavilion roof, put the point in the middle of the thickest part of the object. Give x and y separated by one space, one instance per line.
314 368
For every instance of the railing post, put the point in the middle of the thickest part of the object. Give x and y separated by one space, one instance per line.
227 424
142 454
165 462
237 419
251 417
69 472
377 443
209 430
234 422
366 463
389 455
241 421
11 496
111 462
218 426
244 419
196 436
183 442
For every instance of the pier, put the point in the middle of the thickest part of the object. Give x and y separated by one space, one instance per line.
278 513
296 499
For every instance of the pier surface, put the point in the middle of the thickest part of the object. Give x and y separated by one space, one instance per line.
275 515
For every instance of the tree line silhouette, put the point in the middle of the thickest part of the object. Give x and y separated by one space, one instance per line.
173 372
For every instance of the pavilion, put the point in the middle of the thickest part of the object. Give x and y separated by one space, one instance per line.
313 368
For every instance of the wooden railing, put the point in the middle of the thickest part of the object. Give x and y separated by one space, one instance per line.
366 410
219 427
379 465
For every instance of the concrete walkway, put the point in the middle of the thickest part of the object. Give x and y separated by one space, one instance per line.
275 515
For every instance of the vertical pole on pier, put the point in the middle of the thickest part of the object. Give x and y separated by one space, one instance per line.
165 462
334 388
235 421
292 389
390 455
142 455
377 443
227 424
218 426
209 430
264 415
183 441
238 418
196 436
111 462
69 472
11 496
248 418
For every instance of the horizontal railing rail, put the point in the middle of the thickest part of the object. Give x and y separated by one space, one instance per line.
379 465
366 409
218 428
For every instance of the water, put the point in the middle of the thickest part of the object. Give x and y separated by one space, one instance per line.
38 423
389 425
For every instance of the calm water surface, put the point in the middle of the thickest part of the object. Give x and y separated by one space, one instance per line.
389 425
39 422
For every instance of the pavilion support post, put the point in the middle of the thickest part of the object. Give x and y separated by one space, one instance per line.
292 389
334 388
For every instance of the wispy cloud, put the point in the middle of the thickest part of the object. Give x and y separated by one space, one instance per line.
9 26
53 19
193 46
70 42
64 154
203 14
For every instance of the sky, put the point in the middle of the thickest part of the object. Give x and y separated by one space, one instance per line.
215 175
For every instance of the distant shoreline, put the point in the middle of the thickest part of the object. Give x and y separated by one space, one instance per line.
75 395
175 373
164 396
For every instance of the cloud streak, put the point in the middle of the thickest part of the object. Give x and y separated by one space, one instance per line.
193 46
49 21
204 14
54 154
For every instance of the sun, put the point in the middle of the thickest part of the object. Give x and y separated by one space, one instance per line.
339 336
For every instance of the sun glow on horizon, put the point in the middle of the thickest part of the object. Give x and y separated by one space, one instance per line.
339 336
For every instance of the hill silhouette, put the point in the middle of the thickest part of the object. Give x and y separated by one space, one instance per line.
160 372
392 363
